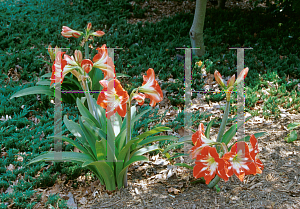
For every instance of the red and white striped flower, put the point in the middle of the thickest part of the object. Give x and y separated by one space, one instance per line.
104 62
113 98
151 88
208 164
240 161
68 32
199 141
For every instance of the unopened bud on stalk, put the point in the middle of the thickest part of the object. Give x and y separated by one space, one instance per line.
219 79
89 26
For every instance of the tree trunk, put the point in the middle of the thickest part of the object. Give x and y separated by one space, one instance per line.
221 4
196 32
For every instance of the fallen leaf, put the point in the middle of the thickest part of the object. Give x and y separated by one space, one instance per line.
9 190
20 158
174 190
11 167
83 201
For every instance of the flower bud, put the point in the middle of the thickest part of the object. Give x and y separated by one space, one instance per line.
98 33
87 65
242 75
89 26
219 79
68 32
78 56
51 53
230 82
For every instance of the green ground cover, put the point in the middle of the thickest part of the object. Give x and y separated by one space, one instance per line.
28 27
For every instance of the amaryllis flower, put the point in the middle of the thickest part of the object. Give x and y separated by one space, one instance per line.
98 33
104 62
57 67
87 65
68 32
240 161
208 164
253 152
78 57
139 97
242 75
150 88
71 64
219 79
113 98
200 141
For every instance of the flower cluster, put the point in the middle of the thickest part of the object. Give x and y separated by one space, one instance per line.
113 97
75 64
78 66
240 160
231 82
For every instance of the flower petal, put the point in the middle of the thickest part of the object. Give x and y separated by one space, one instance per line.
87 65
151 88
139 97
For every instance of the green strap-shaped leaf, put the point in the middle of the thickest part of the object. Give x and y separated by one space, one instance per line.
76 130
120 176
116 121
184 165
133 115
120 140
111 150
86 113
107 174
155 139
207 131
97 173
100 136
98 132
101 150
47 75
231 132
144 150
44 83
122 155
122 75
71 141
154 131
101 113
187 138
65 156
90 136
178 155
172 146
34 90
